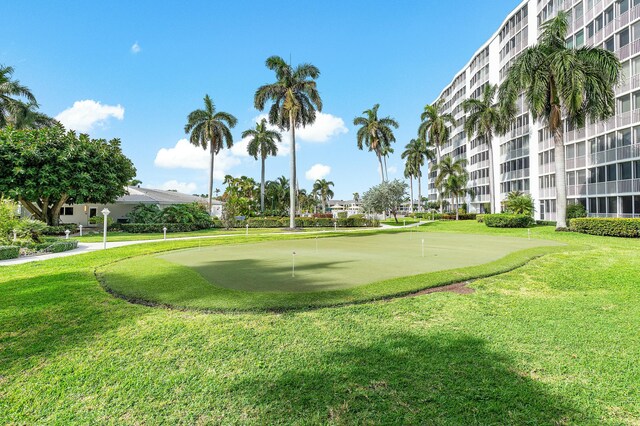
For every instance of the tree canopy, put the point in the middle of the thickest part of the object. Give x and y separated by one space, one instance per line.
46 168
388 196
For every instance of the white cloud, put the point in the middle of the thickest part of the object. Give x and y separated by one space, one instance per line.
187 156
317 171
392 170
183 187
325 127
239 148
85 115
136 48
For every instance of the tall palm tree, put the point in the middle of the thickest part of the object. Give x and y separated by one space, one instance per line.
456 186
409 173
484 119
262 143
448 167
385 152
416 153
558 81
210 129
295 99
435 127
322 187
26 116
376 133
356 197
10 93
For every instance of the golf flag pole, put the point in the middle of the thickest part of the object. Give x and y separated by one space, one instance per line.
293 265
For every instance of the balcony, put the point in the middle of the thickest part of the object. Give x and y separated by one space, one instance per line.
576 163
616 154
514 153
544 169
548 192
515 174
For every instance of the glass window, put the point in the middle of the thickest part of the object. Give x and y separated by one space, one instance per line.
571 178
610 45
635 30
636 205
608 15
613 204
598 23
591 30
611 140
635 65
624 6
626 70
581 177
571 151
593 205
623 37
625 170
600 172
624 104
624 138
611 172
602 205
636 166
627 205
581 147
580 38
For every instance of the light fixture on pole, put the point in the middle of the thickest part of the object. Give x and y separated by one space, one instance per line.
80 227
105 212
164 231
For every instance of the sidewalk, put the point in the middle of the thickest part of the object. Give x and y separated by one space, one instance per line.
90 247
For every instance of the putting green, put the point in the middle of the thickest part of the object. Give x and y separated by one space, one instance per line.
187 277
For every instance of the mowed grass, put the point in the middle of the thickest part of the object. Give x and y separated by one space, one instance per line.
338 270
552 342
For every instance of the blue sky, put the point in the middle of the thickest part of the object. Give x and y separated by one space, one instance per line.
134 70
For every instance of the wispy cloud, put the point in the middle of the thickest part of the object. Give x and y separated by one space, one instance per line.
84 115
135 48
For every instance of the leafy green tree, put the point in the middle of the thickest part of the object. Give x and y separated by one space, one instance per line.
322 187
185 213
562 84
435 128
46 168
145 213
295 99
387 196
376 134
210 129
262 143
11 93
519 203
485 118
278 192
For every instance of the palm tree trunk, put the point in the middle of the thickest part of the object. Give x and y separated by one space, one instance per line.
492 191
561 179
262 188
386 171
211 178
457 209
437 191
411 185
292 184
419 193
381 167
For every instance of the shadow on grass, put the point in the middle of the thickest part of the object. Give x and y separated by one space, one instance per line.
46 314
407 379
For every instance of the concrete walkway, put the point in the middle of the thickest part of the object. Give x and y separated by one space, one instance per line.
90 247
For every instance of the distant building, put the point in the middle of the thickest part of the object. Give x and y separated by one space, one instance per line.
350 206
81 213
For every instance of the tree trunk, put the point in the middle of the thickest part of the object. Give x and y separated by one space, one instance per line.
457 209
411 185
492 191
381 167
561 179
292 184
211 178
438 157
262 188
419 193
386 171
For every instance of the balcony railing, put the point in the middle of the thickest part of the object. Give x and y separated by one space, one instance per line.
544 169
514 153
515 174
615 154
548 193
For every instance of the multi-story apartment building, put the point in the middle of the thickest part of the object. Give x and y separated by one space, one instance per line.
603 158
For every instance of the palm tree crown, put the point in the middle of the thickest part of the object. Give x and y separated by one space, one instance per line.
262 143
10 92
562 82
376 133
295 99
322 187
435 125
415 154
210 129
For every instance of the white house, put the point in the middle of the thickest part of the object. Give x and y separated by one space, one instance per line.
81 213
350 206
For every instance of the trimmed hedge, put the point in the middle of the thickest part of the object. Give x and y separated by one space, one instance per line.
610 227
546 222
308 222
503 220
62 245
9 252
144 228
59 229
452 216
480 217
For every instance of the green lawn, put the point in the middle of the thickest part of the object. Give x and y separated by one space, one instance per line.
401 221
553 342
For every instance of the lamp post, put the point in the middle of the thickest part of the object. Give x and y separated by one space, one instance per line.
164 230
80 227
105 212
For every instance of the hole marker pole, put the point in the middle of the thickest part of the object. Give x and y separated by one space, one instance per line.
247 234
293 265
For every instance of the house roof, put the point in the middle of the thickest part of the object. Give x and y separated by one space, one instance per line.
158 196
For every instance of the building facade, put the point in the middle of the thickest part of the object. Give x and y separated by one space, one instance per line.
603 158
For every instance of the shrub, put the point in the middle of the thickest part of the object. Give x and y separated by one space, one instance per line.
612 227
480 218
508 220
61 245
145 213
575 211
143 228
59 229
99 220
9 252
323 215
519 203
545 223
342 215
452 216
184 213
30 229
